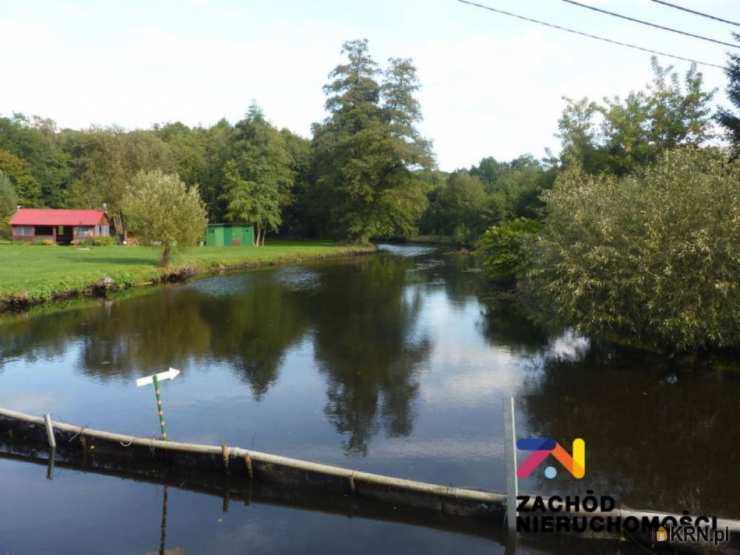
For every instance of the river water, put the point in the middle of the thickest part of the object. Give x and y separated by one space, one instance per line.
396 363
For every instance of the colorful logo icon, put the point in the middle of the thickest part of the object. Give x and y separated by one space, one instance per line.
543 447
661 534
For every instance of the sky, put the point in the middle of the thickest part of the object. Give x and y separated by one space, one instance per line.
491 85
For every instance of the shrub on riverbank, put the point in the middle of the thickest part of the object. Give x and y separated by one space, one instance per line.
653 258
502 248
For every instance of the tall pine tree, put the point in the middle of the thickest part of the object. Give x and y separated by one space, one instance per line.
367 151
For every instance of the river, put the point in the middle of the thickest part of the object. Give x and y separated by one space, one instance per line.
396 363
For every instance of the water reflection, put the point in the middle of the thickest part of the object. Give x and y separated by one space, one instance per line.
358 314
399 362
657 436
365 342
504 322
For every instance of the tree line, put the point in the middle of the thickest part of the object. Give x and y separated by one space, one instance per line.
637 239
359 176
366 172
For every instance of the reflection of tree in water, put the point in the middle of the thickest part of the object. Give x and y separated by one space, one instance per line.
116 338
253 329
459 274
505 322
657 437
505 317
250 329
361 314
32 338
364 320
144 335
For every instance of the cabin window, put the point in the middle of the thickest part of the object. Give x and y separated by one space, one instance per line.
24 230
44 230
84 232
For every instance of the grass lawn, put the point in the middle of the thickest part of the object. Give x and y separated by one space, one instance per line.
33 274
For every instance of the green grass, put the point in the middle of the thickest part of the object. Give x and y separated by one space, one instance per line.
34 274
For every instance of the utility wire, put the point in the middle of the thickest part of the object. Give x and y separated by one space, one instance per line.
696 13
581 33
655 25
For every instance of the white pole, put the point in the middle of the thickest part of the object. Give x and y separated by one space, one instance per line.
512 483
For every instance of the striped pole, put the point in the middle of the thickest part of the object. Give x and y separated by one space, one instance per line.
160 409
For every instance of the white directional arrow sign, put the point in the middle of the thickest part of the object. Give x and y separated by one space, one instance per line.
170 374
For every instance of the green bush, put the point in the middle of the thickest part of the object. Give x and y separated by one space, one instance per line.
653 259
97 241
503 251
43 243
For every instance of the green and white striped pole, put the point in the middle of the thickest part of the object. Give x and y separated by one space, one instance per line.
160 408
154 379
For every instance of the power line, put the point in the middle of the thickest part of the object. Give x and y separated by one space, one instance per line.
649 24
581 33
696 13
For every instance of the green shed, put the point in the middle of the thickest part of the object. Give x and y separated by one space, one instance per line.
230 235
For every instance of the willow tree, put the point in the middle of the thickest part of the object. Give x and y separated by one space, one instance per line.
652 258
162 210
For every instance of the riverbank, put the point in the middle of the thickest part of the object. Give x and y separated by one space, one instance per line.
31 275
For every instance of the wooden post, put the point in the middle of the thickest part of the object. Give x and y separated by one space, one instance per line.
512 483
50 465
163 526
50 432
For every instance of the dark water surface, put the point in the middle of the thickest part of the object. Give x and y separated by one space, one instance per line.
396 363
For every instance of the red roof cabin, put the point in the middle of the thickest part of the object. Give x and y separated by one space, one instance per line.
59 225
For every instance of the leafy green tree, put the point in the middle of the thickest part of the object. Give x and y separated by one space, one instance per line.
367 150
621 136
251 201
18 171
503 249
459 208
8 203
106 161
187 150
651 258
38 141
468 202
729 119
518 185
259 180
161 209
297 215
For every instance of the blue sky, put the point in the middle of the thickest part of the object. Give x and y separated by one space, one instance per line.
492 85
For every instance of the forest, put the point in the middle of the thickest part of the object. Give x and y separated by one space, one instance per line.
631 229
